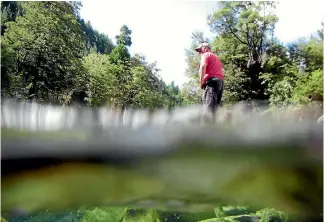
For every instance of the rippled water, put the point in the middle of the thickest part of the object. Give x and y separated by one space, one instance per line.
60 158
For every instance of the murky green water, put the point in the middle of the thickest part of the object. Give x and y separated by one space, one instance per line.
61 159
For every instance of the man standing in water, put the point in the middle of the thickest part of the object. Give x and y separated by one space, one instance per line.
211 79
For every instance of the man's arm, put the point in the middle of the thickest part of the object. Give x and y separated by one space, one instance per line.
202 70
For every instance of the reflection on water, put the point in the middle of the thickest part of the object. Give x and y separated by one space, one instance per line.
59 158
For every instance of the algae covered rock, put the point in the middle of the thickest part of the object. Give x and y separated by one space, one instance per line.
268 214
240 218
184 216
107 214
139 215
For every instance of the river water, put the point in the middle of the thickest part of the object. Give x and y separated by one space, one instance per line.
58 158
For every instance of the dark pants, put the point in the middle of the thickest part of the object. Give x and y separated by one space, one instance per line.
213 92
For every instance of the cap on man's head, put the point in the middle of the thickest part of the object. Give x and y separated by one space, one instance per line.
204 44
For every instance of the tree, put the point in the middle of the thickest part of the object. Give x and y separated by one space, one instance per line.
60 58
192 57
147 89
100 81
124 37
122 59
191 90
250 23
9 12
174 95
307 53
191 93
233 56
249 26
46 44
295 84
100 42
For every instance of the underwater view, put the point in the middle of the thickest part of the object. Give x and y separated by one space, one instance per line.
162 169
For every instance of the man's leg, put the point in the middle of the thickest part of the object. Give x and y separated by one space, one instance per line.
211 99
217 93
220 94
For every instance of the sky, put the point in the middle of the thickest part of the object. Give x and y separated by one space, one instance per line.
161 29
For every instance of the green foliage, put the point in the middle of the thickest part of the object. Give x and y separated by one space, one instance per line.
143 90
255 64
9 12
174 95
307 53
100 81
119 55
308 84
125 36
45 51
244 34
50 54
293 78
191 91
94 40
294 87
